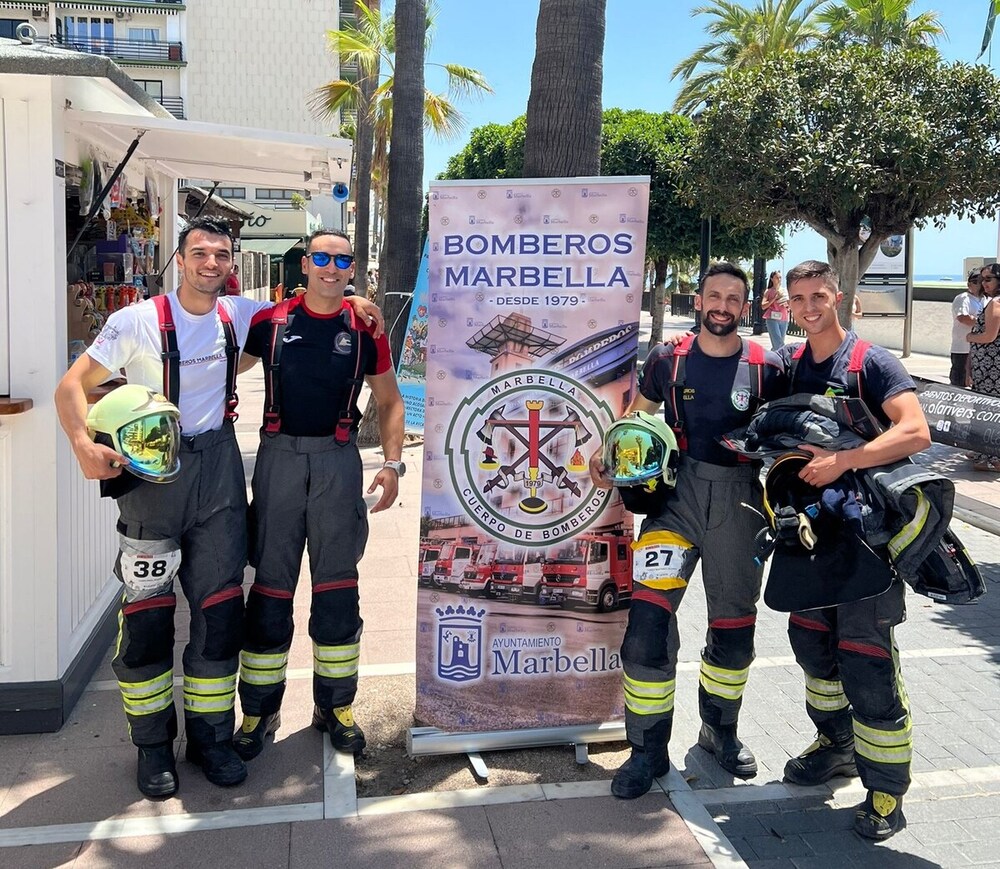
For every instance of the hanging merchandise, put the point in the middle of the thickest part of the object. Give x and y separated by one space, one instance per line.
86 184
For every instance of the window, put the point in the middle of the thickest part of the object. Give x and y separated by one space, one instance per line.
143 34
275 193
8 27
153 87
232 192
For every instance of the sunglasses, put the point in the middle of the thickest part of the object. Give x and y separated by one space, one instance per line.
322 258
974 280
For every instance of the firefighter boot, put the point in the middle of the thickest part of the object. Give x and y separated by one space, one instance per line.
250 738
219 761
733 756
879 816
825 758
345 735
635 776
156 774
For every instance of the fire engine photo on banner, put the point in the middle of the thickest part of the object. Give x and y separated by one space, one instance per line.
525 566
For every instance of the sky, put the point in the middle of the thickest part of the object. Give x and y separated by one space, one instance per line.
644 40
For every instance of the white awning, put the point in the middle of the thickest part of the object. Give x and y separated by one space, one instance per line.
272 246
219 152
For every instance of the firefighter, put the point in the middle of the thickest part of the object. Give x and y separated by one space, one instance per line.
710 384
308 490
854 689
185 345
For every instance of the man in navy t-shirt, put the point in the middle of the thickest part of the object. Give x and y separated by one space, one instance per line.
703 518
854 690
308 489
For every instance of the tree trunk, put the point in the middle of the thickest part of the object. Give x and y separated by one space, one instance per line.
401 257
563 136
363 139
659 301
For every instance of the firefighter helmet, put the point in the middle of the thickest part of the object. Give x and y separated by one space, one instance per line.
641 458
143 426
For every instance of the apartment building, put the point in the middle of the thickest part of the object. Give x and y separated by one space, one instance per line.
249 63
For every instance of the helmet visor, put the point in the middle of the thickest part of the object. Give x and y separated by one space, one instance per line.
151 444
633 455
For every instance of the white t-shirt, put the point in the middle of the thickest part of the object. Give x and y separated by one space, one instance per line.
131 340
964 304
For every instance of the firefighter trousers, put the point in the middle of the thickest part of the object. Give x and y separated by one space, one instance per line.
853 681
306 491
192 530
703 519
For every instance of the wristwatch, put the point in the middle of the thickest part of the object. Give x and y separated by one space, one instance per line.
398 467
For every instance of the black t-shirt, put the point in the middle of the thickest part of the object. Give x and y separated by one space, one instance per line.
882 374
711 405
316 364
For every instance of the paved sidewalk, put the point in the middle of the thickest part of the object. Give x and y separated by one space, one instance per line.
69 799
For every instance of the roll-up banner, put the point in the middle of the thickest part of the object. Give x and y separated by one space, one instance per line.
525 565
412 368
960 417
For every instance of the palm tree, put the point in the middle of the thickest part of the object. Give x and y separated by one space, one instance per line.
880 23
563 136
370 43
743 37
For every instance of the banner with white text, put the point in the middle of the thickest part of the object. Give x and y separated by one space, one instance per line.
525 565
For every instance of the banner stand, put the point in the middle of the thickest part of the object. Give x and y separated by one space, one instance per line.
423 741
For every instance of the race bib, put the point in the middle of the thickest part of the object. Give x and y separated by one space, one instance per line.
147 567
661 559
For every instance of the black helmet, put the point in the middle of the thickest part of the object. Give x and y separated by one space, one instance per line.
949 574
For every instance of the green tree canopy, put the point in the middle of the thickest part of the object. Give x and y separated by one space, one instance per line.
830 137
879 23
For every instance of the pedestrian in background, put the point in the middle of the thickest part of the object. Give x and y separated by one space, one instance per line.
774 307
984 351
965 307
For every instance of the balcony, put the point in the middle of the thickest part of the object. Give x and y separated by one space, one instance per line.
174 105
125 50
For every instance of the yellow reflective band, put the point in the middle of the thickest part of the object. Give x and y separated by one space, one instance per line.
727 684
336 662
261 669
669 582
884 746
336 653
649 698
824 695
912 529
659 538
209 695
152 695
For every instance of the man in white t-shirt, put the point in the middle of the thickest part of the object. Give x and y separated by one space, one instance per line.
965 307
184 345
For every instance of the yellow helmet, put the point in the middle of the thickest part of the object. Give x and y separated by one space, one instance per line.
144 427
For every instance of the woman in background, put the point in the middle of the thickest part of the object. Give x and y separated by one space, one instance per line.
774 309
984 351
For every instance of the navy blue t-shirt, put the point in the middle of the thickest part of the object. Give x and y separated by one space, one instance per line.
712 406
882 374
316 365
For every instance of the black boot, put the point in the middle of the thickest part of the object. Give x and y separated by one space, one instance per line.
733 756
345 735
219 761
647 762
823 760
250 738
879 816
156 774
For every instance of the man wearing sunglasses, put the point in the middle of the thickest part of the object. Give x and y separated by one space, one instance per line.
965 307
308 493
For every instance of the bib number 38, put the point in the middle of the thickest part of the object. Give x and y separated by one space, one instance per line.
147 567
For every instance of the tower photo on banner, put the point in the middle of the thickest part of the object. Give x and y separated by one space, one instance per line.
532 336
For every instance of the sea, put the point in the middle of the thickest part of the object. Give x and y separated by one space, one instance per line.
939 277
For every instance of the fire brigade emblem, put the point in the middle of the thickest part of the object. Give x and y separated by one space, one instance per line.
459 643
741 398
518 451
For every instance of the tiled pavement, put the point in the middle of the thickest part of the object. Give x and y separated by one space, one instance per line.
71 794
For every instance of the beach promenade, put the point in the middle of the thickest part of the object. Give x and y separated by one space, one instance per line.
69 799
